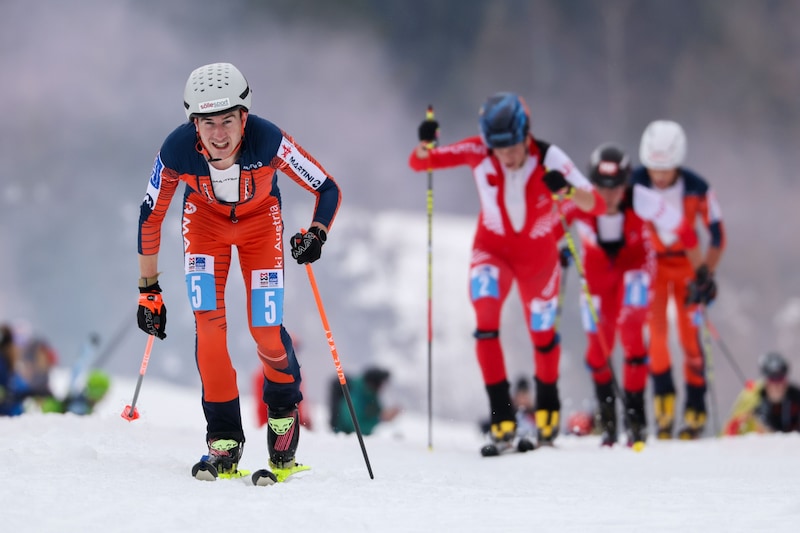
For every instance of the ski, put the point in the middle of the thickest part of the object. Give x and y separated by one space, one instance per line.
264 477
203 470
495 449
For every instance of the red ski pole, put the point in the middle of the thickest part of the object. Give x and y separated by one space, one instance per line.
338 364
130 413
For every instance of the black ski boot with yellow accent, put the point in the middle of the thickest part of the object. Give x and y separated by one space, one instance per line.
694 424
503 430
636 419
694 414
222 460
664 410
547 423
664 404
283 434
607 413
548 406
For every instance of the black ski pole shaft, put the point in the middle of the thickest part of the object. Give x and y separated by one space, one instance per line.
727 353
429 116
337 363
114 343
561 289
705 346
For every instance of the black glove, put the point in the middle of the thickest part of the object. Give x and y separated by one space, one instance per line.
565 257
702 289
555 181
152 313
428 131
307 247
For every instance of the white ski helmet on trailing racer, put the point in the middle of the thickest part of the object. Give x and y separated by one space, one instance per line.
663 145
215 88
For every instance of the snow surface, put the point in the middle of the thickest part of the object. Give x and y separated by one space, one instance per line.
100 473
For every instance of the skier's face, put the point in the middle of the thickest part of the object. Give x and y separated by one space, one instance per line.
221 134
775 389
512 157
663 178
613 197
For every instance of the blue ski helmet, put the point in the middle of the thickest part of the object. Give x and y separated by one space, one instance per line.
505 120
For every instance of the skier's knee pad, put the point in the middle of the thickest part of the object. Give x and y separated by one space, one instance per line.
483 334
549 347
637 360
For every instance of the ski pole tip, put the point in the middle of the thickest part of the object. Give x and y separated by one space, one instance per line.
130 413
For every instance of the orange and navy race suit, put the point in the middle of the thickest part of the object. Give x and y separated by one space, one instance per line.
692 195
254 225
619 265
514 241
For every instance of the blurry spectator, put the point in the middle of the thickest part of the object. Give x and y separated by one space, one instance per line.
37 360
365 393
84 402
525 407
581 424
12 388
767 405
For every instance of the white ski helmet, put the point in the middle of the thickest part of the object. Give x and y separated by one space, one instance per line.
214 88
663 145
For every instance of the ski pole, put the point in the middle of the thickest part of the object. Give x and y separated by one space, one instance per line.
592 311
112 345
130 413
429 116
82 364
562 287
338 365
724 348
705 347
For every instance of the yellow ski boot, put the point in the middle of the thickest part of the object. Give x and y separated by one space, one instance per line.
664 407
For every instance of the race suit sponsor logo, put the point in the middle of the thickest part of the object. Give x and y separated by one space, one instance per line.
154 185
306 169
213 105
155 175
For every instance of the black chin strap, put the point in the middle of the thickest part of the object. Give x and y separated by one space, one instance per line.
203 150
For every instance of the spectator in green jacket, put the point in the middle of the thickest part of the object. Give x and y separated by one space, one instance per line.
365 393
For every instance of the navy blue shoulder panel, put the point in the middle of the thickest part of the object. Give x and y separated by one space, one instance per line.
640 176
179 154
693 184
261 141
